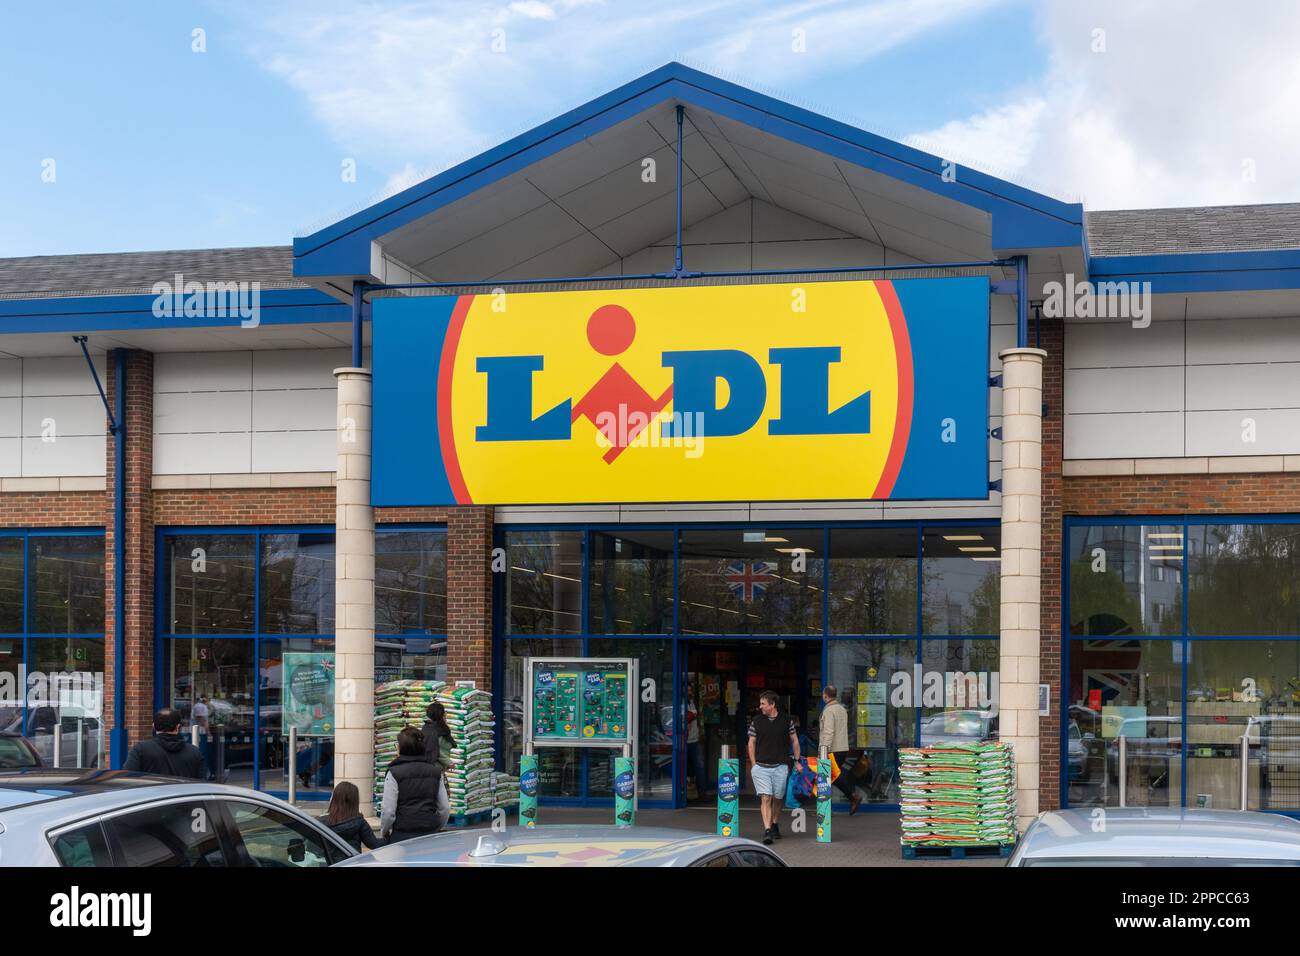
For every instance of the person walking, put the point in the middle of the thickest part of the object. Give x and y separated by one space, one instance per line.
414 801
772 740
344 817
167 753
833 734
438 743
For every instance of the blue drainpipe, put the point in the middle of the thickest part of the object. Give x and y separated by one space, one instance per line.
118 738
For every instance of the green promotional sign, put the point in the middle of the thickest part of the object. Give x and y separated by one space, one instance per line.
624 792
728 796
580 703
528 787
824 800
308 698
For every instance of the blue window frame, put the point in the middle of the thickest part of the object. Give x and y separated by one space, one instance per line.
1180 633
936 583
52 619
232 601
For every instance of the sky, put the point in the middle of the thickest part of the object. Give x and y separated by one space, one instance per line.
170 124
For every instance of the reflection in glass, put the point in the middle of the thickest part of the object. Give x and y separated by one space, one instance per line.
315 765
751 582
1133 689
66 584
11 585
210 587
631 588
298 583
1126 579
1244 579
968 684
65 696
410 658
873 581
213 685
558 768
962 584
411 582
544 585
874 679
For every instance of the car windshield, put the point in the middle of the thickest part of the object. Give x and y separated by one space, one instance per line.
14 752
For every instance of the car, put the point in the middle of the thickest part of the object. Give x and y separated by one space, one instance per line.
16 751
571 845
1158 836
1077 753
959 726
114 818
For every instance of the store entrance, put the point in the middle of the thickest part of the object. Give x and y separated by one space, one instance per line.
723 681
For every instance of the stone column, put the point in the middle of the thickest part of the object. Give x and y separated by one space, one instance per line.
354 590
1022 537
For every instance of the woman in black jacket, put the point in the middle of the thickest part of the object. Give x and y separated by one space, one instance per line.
344 817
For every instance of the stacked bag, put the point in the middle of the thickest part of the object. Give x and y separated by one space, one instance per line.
957 794
470 777
505 790
398 703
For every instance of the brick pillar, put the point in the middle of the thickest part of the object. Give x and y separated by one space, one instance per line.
1051 637
138 571
469 595
354 590
1022 402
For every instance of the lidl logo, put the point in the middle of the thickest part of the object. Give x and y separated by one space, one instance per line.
710 393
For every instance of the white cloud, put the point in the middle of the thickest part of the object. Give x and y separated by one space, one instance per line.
1179 109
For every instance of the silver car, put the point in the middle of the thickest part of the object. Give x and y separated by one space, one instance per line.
571 845
1155 836
113 818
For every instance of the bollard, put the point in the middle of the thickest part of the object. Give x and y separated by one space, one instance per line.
528 790
1245 769
624 790
1123 771
194 735
293 762
58 744
823 796
728 794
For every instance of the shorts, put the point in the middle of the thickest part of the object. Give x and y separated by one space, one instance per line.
770 780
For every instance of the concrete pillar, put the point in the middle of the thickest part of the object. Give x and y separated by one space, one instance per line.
354 590
1022 538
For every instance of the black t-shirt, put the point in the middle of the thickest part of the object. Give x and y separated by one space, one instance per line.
771 737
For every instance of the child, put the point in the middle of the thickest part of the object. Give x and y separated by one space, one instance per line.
344 817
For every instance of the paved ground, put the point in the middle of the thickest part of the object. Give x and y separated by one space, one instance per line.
865 839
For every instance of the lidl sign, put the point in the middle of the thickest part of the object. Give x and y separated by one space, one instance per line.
771 392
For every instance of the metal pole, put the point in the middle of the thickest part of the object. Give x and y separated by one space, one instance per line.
1123 771
292 763
194 735
677 268
357 290
1245 769
119 736
1022 302
58 743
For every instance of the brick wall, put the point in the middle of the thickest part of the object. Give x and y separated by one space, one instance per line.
469 595
55 509
1267 493
1049 667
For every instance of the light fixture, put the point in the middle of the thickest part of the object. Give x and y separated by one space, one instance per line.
968 549
769 540
794 550
963 537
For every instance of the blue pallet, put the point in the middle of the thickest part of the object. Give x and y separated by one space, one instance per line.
478 816
958 851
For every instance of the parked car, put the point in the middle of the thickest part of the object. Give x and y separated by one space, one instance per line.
113 818
1151 742
17 752
1154 836
571 845
964 726
1076 753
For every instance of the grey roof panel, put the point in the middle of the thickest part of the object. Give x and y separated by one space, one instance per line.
136 272
1138 232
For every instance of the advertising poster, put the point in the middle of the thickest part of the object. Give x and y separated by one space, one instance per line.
308 702
824 801
624 792
728 796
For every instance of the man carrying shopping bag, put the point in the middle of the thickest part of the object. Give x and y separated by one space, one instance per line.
833 734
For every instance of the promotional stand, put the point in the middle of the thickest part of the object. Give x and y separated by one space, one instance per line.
580 702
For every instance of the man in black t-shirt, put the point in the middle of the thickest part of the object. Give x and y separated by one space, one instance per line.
772 738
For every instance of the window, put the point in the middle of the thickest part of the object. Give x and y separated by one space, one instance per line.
298 583
962 587
745 581
65 584
269 837
11 585
873 580
410 658
631 582
544 582
875 680
170 834
1243 580
756 858
211 584
410 582
1125 579
83 847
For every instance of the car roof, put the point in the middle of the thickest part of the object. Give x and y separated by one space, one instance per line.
1144 832
563 845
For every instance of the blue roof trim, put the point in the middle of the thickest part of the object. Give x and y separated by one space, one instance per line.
1203 271
1021 218
119 313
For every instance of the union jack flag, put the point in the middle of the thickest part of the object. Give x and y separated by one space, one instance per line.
748 579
